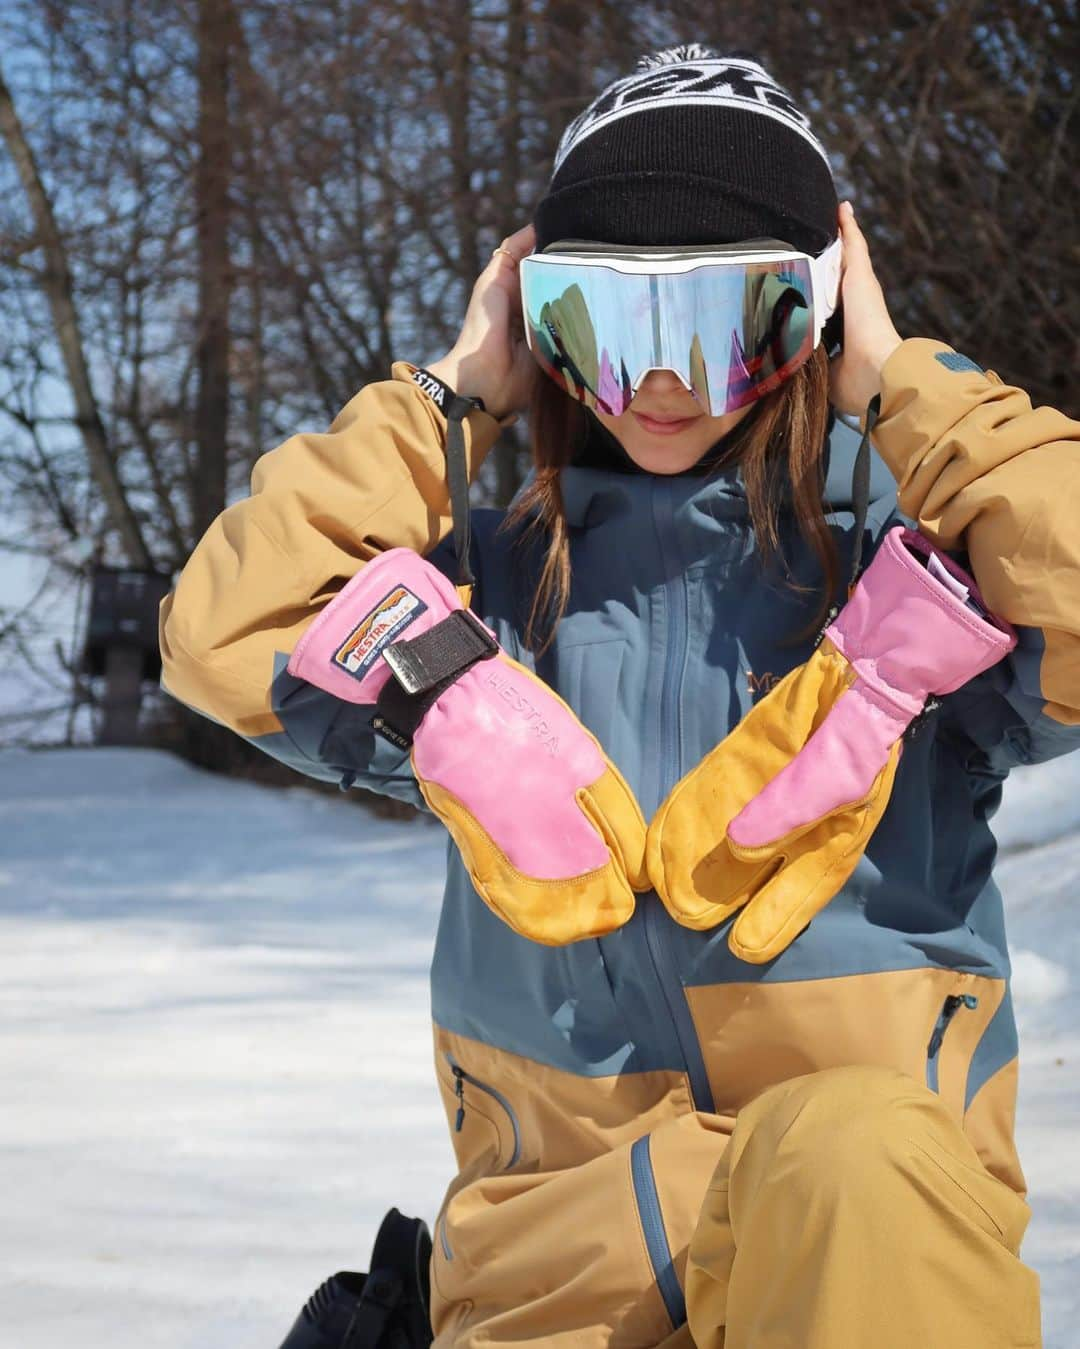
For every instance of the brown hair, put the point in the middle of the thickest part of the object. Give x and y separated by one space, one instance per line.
786 430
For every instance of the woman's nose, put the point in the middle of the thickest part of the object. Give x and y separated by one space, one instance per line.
663 388
662 382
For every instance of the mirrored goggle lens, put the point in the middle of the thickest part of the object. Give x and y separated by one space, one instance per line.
732 333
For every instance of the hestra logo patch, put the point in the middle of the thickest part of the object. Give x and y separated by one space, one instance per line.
377 629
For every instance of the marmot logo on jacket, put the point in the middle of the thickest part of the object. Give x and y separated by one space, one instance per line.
760 683
511 694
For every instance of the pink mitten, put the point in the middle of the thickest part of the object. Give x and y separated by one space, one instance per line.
550 833
774 820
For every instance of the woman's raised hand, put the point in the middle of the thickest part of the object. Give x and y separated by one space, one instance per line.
869 335
490 359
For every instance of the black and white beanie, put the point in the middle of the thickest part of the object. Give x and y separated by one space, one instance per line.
692 148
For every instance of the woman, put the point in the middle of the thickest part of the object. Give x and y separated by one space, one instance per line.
661 1142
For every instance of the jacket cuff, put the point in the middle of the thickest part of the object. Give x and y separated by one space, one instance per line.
483 428
926 388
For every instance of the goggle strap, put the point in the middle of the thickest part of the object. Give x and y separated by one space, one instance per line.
457 480
860 490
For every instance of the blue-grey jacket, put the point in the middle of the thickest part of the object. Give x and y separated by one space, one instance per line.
560 1061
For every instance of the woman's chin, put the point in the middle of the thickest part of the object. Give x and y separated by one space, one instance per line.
667 458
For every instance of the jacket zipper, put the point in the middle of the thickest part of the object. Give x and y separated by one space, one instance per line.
667 976
674 660
460 1078
669 763
652 1226
949 1009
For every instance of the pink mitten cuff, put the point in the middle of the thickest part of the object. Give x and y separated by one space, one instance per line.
907 634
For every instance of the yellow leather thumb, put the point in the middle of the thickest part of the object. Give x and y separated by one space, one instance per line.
612 809
553 912
808 868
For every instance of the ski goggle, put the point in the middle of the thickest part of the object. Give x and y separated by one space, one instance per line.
732 321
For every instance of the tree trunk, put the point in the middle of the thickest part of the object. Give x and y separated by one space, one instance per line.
508 451
215 273
60 292
459 107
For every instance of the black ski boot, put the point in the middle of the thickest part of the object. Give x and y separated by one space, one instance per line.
387 1308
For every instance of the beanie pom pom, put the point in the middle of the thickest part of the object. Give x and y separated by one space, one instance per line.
673 56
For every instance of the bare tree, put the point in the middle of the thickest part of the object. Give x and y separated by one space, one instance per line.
56 283
212 181
219 218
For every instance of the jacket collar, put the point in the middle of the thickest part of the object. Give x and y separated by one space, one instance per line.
594 493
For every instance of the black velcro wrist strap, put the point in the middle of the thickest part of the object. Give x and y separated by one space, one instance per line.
424 669
444 652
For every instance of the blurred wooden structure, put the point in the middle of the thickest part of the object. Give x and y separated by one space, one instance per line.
122 644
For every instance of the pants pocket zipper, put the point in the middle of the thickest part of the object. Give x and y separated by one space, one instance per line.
460 1078
949 1009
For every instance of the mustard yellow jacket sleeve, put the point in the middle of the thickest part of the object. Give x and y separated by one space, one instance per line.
321 505
985 473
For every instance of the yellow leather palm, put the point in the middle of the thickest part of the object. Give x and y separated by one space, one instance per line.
703 877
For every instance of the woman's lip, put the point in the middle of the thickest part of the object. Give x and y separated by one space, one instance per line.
664 428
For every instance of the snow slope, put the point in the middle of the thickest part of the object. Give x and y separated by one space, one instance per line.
215 1051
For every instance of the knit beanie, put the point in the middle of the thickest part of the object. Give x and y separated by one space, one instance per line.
692 148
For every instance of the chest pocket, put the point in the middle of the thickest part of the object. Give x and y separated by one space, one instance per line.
588 676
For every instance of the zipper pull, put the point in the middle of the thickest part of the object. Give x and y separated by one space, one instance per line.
459 1092
952 1005
948 1011
917 723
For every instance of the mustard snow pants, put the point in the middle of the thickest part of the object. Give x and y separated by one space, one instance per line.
851 1212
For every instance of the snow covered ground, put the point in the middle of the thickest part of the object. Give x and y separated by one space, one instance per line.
215 1052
